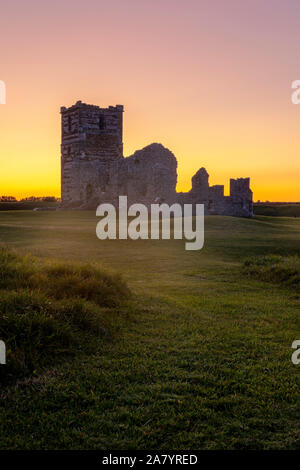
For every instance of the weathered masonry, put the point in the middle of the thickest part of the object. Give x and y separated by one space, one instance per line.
94 170
91 142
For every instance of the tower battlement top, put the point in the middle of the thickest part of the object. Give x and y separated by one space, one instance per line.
92 107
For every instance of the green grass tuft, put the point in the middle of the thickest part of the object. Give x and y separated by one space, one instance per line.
50 310
283 270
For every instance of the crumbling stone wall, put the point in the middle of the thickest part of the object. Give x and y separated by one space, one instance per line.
148 176
91 141
239 203
93 169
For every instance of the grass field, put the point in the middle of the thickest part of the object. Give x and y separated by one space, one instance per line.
280 210
201 361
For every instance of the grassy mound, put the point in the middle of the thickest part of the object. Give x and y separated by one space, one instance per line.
48 310
281 210
274 268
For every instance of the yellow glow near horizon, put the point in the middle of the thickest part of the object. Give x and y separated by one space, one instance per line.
195 79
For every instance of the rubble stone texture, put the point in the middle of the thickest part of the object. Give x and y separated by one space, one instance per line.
94 170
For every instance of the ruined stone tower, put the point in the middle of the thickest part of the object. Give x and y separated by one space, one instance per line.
93 169
91 142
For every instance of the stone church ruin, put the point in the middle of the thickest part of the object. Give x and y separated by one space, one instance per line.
94 170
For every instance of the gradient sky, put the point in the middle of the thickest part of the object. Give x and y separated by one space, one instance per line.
211 80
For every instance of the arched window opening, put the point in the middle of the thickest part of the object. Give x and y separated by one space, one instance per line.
69 123
102 124
89 192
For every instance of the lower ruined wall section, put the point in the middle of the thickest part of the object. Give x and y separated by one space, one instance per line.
225 206
238 204
82 181
148 176
231 206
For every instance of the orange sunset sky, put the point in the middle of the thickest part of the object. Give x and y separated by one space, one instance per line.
211 80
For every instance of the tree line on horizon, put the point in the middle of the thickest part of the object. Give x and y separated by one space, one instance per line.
30 199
